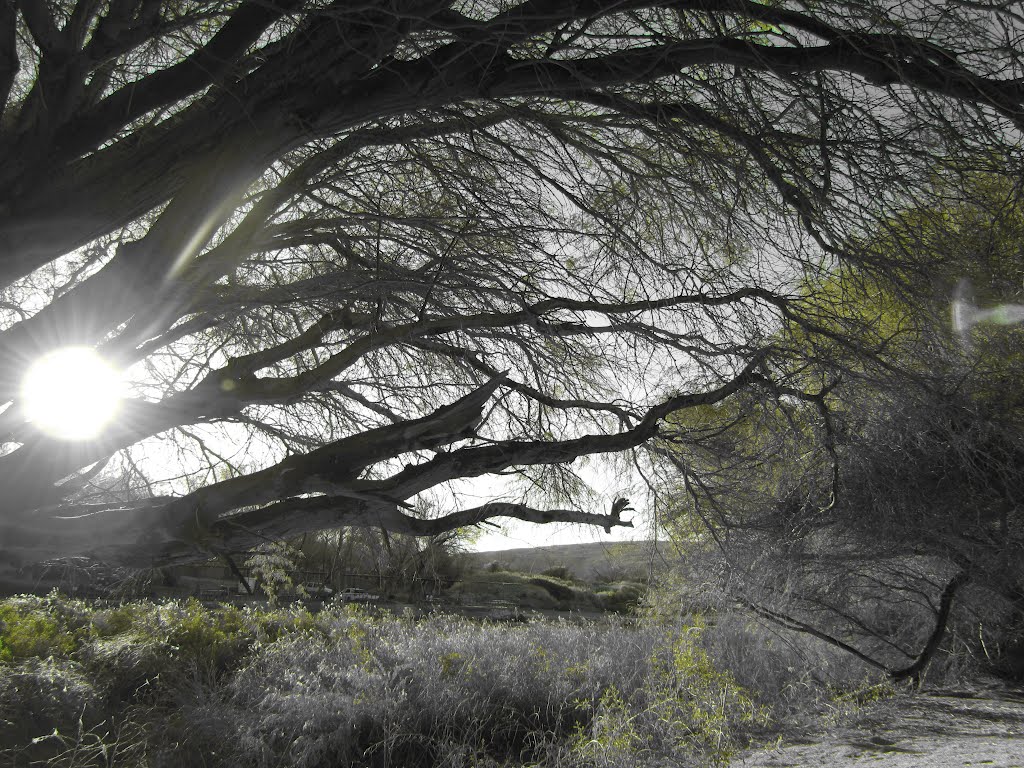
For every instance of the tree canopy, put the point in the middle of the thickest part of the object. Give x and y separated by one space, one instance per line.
886 511
348 252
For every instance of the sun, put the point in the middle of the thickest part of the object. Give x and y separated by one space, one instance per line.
71 393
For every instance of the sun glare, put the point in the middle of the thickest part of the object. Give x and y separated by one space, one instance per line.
71 393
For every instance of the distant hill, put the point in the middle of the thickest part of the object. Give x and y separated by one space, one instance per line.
592 561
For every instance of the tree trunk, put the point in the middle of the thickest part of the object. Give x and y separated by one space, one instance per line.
914 671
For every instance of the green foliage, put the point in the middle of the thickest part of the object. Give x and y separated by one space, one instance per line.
73 677
404 689
559 589
901 317
798 678
971 230
202 636
621 597
119 620
686 707
272 565
29 629
902 453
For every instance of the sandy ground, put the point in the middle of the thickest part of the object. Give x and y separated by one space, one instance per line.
941 729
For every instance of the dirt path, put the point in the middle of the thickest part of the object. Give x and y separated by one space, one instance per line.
933 730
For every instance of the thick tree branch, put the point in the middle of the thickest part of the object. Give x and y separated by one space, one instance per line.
949 592
408 85
225 392
208 65
191 527
9 63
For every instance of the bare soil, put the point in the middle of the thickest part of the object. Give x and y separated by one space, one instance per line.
937 729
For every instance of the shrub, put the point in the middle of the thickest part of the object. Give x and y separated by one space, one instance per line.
272 565
404 692
686 709
560 591
623 597
115 621
793 673
29 628
558 572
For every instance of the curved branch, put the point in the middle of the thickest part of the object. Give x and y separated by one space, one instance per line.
190 528
915 670
226 391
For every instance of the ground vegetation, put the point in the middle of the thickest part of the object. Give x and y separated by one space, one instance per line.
180 684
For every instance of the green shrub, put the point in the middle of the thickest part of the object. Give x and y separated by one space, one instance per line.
558 572
207 637
702 704
404 690
270 625
407 692
144 652
622 597
115 621
687 709
272 565
562 592
27 630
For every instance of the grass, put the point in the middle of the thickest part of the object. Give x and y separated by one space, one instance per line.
178 684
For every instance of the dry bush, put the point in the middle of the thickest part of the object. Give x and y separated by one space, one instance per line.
797 676
450 691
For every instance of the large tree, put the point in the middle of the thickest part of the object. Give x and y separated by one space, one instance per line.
380 246
886 511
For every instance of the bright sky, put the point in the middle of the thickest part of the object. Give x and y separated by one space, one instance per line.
515 534
71 393
605 484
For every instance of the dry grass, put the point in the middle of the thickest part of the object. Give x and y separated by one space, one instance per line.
177 684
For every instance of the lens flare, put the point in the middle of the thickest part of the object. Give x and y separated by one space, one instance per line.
71 393
966 314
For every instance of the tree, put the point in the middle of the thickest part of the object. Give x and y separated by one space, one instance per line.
350 252
897 514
